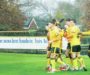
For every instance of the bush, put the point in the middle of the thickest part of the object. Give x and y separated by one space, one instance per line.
23 33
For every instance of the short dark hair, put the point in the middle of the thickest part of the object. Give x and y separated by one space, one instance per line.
53 21
61 20
73 20
68 19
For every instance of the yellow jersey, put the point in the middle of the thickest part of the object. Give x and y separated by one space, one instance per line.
61 35
68 34
54 35
75 37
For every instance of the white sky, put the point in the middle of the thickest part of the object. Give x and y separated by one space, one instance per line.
51 5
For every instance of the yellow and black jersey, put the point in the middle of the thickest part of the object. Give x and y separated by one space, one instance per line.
54 35
75 37
68 34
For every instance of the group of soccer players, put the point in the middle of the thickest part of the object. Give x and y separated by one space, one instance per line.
54 50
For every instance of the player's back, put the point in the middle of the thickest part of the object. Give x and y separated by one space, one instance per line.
54 34
75 36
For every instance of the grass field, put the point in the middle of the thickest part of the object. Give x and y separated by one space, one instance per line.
31 64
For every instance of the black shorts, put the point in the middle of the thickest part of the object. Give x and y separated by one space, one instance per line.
70 56
76 48
49 48
55 50
69 46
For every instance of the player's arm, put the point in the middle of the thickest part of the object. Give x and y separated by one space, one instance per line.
57 38
65 34
69 36
86 33
79 33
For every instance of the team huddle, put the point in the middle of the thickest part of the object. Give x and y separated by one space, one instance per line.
54 50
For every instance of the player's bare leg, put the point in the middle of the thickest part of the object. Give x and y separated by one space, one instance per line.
48 58
53 63
74 61
81 61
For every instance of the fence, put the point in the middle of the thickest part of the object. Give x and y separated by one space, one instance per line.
23 33
85 42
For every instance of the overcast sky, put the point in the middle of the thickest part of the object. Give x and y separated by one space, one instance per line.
51 4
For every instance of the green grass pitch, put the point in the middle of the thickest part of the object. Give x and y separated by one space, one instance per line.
31 64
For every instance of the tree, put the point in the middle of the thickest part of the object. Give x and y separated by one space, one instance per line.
59 14
11 17
86 13
68 10
84 6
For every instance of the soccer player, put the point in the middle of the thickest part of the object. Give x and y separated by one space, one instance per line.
76 48
61 35
67 35
48 48
55 46
59 59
